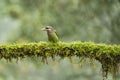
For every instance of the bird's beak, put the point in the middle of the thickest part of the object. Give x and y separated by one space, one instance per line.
43 29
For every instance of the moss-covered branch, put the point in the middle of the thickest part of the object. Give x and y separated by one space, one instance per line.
107 55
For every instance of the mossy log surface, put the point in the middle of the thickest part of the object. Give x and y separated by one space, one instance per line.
107 55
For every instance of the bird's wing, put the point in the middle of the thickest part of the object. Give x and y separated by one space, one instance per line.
56 33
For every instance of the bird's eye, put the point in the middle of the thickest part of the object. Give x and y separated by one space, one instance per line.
47 28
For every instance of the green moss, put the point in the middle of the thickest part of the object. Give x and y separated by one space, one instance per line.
107 55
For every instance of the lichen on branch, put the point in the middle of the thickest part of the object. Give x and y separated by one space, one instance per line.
107 55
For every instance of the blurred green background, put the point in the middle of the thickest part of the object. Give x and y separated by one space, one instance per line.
84 20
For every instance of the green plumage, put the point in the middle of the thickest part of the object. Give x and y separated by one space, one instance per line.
52 37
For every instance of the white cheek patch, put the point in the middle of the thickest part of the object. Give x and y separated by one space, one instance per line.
49 29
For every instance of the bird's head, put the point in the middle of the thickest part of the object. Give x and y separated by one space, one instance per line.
48 29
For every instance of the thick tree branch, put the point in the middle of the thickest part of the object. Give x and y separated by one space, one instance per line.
107 55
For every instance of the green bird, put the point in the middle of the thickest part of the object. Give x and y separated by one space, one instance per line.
52 35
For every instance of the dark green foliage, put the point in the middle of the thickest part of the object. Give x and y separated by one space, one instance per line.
107 55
